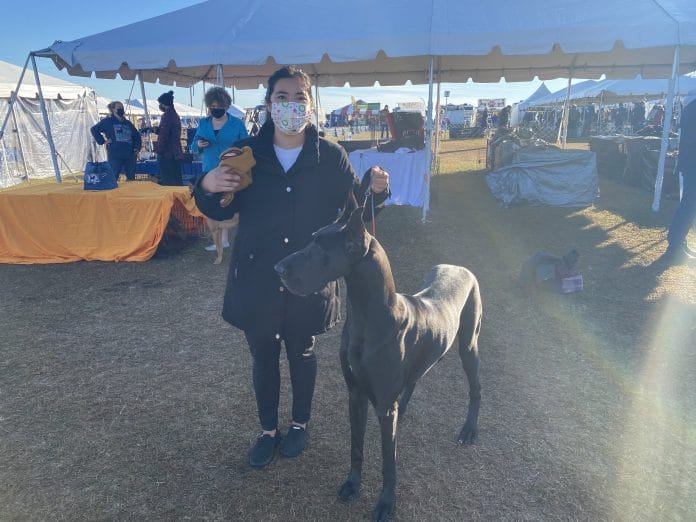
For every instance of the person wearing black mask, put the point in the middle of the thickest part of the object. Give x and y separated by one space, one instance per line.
122 140
215 134
168 146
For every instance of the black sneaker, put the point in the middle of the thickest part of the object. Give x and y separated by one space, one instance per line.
263 452
294 442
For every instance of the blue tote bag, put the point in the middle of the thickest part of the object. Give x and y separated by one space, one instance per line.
98 175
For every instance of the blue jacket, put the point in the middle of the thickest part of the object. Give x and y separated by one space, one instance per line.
232 131
125 138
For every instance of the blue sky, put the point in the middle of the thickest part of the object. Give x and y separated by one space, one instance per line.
32 26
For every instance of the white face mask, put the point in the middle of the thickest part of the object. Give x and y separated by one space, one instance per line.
291 117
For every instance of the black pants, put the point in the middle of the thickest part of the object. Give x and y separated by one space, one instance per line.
125 165
170 172
685 213
302 360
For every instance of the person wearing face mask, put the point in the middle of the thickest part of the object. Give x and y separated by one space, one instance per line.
300 184
122 140
215 134
168 148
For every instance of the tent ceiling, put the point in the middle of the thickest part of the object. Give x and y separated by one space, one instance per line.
482 41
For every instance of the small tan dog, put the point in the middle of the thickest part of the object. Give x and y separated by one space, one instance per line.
216 228
240 161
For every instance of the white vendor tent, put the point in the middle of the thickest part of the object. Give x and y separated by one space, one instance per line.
617 91
517 112
71 109
417 40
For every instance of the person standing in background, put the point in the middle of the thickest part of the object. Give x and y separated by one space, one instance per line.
168 147
215 134
678 250
122 140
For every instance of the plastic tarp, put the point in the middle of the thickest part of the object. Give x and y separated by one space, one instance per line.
503 38
24 151
546 176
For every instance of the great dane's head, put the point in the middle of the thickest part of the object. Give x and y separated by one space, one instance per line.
330 254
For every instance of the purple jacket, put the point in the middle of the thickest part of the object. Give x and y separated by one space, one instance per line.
169 135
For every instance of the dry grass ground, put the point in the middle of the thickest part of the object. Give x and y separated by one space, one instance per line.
123 395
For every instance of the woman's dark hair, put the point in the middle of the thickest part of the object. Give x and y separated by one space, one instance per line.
219 95
112 105
289 71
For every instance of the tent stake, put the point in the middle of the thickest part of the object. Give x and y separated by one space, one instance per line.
47 124
666 128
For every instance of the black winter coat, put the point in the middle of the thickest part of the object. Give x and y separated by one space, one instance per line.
278 213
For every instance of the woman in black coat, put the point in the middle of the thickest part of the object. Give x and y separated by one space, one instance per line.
300 184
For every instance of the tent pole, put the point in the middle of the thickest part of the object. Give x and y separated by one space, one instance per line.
13 97
47 124
220 76
233 100
148 121
21 148
316 100
437 122
666 128
563 128
428 142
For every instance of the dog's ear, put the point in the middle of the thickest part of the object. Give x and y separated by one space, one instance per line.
351 205
571 258
356 237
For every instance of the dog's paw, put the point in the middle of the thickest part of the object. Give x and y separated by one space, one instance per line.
384 510
468 435
348 491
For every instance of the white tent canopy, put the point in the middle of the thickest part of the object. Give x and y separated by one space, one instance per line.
615 91
542 91
71 110
502 38
53 88
396 41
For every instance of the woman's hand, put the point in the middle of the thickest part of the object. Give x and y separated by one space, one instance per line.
220 179
202 144
379 180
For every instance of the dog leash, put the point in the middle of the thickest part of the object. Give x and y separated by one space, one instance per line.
369 194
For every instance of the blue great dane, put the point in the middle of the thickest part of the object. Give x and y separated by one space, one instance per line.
389 339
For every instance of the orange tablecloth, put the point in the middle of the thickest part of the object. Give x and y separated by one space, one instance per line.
59 223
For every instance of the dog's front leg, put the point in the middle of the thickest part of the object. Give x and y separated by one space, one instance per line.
357 407
387 500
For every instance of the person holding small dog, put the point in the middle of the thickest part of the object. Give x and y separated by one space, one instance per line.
300 183
122 140
216 133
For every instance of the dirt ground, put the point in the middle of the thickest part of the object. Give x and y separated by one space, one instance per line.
123 394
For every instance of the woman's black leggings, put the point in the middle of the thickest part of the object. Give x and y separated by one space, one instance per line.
302 360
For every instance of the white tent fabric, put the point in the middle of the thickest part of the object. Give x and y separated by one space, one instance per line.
616 91
24 153
484 41
542 91
53 88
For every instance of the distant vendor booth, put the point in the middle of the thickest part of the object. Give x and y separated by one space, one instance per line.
404 158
